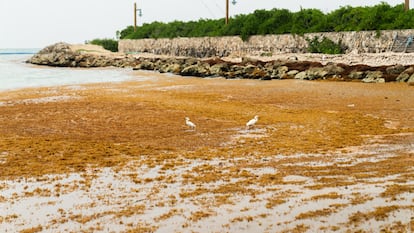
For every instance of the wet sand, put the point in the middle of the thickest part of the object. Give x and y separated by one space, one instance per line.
323 157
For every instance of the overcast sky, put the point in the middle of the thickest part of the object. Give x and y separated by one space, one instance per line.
38 23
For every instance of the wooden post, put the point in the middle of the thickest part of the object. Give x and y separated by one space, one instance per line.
227 11
135 17
407 5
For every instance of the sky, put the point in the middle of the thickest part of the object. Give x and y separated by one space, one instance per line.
39 23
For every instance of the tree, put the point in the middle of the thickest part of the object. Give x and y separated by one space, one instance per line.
278 21
309 20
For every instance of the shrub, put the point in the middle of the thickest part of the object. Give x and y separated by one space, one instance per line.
324 45
108 44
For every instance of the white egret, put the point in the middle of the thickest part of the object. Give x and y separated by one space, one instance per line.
252 122
189 123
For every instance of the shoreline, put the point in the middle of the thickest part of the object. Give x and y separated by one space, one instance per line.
368 68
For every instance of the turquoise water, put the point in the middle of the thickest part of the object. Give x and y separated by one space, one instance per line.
15 73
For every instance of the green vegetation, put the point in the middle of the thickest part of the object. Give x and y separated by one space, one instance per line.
108 44
324 45
280 21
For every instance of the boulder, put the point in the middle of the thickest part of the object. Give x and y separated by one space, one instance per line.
397 69
219 69
249 60
252 72
66 55
333 69
312 74
59 54
301 75
145 65
410 81
405 75
190 61
292 73
356 75
170 68
279 72
249 69
374 77
259 74
198 70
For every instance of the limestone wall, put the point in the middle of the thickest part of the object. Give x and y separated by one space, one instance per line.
362 42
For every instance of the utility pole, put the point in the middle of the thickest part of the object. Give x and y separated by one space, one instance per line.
135 15
407 5
227 9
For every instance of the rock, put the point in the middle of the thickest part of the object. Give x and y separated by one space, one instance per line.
198 70
397 69
279 72
213 61
174 68
235 68
333 69
405 75
293 58
62 54
249 69
190 61
259 74
253 72
292 73
410 81
301 75
317 73
59 54
249 60
145 65
170 68
374 77
230 75
66 55
312 74
356 75
219 69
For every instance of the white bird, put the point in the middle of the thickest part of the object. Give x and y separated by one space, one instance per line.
189 123
252 122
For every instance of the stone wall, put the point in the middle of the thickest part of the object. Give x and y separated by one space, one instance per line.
361 42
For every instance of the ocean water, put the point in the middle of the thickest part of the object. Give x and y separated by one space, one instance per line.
15 73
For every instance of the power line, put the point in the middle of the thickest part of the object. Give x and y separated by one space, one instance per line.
208 8
220 8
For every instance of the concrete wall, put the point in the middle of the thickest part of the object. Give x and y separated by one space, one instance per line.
362 42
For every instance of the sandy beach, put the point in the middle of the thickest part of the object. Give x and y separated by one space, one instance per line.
118 157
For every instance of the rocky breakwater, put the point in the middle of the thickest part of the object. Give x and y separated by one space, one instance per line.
250 68
66 55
